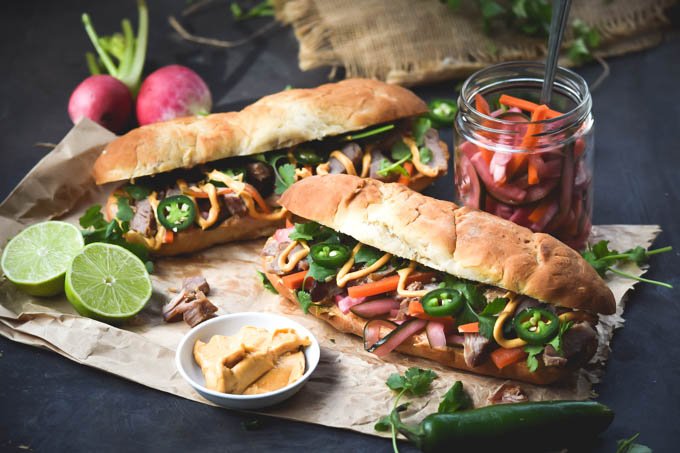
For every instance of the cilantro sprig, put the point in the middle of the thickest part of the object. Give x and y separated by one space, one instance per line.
604 260
97 229
262 9
534 350
532 18
415 382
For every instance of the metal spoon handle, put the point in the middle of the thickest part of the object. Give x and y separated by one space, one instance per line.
558 22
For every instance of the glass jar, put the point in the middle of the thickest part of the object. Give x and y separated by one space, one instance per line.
530 164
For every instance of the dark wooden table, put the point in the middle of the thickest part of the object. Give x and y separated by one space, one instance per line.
50 404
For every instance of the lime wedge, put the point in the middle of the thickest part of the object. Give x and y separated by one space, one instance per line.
107 282
37 258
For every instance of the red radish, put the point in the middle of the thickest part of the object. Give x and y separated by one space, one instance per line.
103 99
398 336
172 92
469 182
506 193
373 329
455 339
540 191
345 303
435 334
373 308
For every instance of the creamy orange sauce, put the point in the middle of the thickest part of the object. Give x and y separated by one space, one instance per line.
253 361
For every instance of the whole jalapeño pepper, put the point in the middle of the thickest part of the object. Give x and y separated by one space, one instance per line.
527 427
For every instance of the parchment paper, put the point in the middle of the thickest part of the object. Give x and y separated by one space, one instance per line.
348 388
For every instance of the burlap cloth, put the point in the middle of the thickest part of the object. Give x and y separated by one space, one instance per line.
418 41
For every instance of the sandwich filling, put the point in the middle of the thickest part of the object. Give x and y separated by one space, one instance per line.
204 197
399 299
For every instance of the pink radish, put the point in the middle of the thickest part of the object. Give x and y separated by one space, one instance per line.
345 303
435 335
172 92
103 99
372 308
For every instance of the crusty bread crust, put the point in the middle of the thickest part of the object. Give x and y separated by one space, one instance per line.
277 121
418 346
464 242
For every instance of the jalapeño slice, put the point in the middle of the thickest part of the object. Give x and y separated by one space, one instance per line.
176 213
442 302
443 111
536 325
307 156
330 255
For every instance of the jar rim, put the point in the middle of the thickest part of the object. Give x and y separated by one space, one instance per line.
580 83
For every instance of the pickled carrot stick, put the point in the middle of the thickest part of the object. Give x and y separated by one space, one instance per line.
532 173
527 106
529 141
483 107
540 211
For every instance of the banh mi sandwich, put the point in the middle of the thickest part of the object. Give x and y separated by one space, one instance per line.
427 278
194 182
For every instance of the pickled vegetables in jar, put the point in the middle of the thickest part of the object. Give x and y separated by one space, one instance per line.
522 161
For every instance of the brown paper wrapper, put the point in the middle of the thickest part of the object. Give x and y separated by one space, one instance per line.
348 388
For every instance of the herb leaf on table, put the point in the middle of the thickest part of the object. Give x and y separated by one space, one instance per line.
629 446
455 399
415 381
603 259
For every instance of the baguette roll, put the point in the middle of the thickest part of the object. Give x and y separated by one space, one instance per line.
534 270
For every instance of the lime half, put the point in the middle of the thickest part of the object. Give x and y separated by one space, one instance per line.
107 282
36 259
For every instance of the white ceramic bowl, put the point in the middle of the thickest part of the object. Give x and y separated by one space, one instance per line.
230 325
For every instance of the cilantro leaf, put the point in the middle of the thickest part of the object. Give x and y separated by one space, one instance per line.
455 399
96 229
420 126
137 192
486 325
236 10
637 255
533 351
384 424
602 259
387 167
124 212
266 284
495 306
487 317
396 382
416 381
426 155
320 273
305 300
400 150
557 341
285 177
92 217
368 255
309 231
629 446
